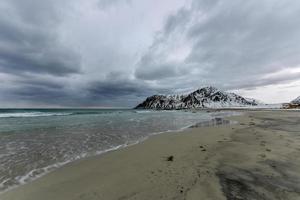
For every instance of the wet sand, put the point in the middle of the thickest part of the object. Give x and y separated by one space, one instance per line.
257 158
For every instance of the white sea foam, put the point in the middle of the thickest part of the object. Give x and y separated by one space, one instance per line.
144 111
37 173
32 114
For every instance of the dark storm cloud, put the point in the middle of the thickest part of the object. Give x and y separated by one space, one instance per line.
40 93
40 82
229 42
32 95
115 93
117 90
32 91
29 42
54 93
112 89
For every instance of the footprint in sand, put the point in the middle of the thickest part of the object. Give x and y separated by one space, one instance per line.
170 158
262 155
202 147
263 143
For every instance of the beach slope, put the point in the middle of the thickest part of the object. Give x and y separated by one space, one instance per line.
257 158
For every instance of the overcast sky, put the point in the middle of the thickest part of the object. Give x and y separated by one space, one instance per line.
117 52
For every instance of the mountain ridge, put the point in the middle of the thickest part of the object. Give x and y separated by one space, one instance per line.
206 97
294 104
296 101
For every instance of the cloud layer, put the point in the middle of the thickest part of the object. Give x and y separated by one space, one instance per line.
115 53
28 39
231 44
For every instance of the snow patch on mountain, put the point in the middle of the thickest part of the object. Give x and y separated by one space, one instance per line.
296 101
256 101
207 97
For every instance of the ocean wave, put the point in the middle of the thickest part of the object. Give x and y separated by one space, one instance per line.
95 112
39 172
145 111
32 114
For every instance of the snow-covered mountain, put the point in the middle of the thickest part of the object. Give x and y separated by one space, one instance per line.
255 101
295 104
207 97
296 101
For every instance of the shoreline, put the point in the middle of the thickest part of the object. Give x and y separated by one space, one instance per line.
29 177
196 159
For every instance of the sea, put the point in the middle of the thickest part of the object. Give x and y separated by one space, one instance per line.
34 142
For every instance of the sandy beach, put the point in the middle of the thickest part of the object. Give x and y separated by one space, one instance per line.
257 158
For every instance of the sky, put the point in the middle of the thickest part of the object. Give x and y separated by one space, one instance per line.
115 53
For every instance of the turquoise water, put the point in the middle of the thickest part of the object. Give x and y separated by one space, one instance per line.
36 141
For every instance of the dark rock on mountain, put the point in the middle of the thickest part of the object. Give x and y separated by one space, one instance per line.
207 97
296 101
295 104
